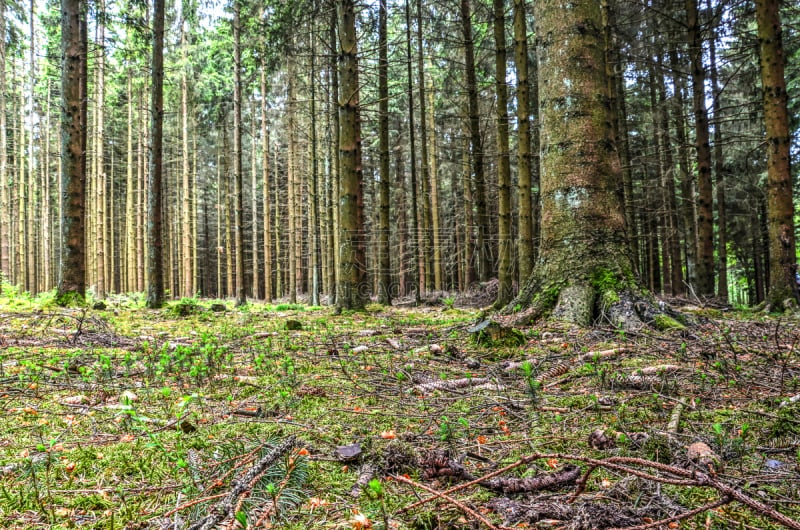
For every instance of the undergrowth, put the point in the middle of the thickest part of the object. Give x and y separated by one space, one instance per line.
131 418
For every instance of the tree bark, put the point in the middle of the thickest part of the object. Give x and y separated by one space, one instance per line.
241 286
351 287
780 207
186 241
719 170
5 210
155 287
416 215
584 271
72 274
705 221
526 207
476 146
384 251
265 184
505 266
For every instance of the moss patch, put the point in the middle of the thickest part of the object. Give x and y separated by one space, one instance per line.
664 322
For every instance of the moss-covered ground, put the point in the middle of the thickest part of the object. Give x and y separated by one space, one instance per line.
132 418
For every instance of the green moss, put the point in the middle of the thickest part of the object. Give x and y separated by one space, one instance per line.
70 299
603 280
664 322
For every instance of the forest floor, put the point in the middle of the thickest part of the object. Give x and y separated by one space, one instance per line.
288 416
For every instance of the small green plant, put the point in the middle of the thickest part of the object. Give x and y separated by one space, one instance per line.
532 385
449 302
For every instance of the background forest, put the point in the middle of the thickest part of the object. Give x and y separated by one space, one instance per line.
460 90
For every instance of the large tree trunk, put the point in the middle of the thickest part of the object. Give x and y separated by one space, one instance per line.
72 278
351 281
155 265
780 208
584 271
268 291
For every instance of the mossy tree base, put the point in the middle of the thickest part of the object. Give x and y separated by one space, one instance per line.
601 297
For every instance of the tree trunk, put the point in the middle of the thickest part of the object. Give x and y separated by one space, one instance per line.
238 193
476 147
155 266
719 171
705 221
313 188
265 184
351 287
99 161
384 251
186 243
428 254
505 268
780 207
526 207
416 221
584 268
71 285
685 177
5 210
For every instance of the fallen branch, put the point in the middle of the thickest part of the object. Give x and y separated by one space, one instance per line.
450 384
467 510
241 487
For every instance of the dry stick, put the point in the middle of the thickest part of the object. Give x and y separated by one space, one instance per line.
675 418
191 503
758 506
679 517
224 508
467 510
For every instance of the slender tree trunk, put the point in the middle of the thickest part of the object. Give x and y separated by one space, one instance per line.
780 207
426 240
525 254
5 210
484 262
186 204
291 192
719 170
46 211
384 250
416 216
505 291
71 285
313 226
705 221
99 168
352 249
265 183
685 177
469 216
256 266
334 210
672 250
438 275
241 287
155 263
